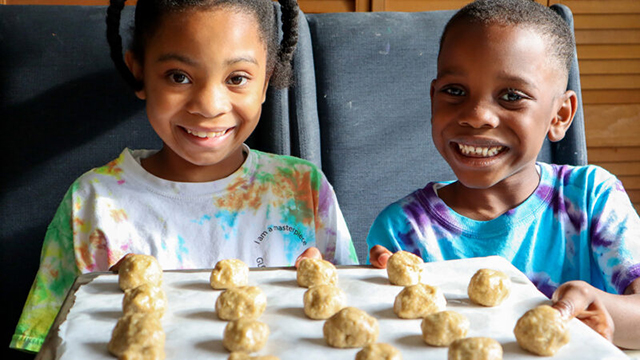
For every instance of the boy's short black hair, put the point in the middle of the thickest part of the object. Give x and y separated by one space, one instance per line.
526 13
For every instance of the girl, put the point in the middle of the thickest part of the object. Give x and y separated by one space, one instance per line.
203 68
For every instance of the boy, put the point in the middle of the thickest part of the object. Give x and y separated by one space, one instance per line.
500 89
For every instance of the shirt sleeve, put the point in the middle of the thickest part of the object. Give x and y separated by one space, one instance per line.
332 235
615 235
55 277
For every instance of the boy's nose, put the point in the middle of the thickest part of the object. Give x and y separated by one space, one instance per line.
210 101
479 115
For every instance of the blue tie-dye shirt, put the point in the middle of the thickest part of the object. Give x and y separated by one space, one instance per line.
579 224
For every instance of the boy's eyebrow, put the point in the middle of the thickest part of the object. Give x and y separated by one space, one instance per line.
518 79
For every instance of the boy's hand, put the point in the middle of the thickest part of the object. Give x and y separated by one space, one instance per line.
378 256
310 253
579 299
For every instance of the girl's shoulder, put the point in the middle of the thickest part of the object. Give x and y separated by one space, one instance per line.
113 171
285 163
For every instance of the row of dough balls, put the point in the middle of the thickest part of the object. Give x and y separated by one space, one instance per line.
541 330
241 305
350 327
345 327
138 334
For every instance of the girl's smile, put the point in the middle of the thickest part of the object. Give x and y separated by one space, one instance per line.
205 79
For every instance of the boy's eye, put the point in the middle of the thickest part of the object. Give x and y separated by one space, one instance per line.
179 78
453 91
237 80
511 96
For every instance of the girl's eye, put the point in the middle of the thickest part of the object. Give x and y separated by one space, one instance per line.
179 78
511 96
453 91
237 80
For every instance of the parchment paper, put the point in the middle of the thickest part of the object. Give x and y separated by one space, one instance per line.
193 331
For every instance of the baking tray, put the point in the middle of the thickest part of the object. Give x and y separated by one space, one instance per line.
193 331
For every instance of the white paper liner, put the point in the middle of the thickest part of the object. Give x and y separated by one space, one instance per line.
193 331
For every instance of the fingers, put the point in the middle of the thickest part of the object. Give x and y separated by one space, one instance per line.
578 299
571 298
310 253
378 256
116 266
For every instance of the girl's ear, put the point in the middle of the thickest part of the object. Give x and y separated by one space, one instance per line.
264 91
136 69
564 116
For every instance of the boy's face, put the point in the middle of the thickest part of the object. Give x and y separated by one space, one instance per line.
496 97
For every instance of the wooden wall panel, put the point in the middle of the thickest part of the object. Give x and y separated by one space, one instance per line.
608 44
421 5
323 6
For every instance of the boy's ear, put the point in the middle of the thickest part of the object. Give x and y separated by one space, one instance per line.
432 89
136 69
564 116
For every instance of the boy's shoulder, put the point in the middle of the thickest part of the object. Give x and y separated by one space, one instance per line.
570 175
418 201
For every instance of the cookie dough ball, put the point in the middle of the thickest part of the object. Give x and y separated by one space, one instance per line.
350 328
489 287
244 356
322 301
136 270
542 331
405 268
379 351
145 298
138 336
476 348
245 335
418 301
316 272
443 328
246 302
229 273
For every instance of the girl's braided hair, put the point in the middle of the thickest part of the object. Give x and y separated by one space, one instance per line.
149 13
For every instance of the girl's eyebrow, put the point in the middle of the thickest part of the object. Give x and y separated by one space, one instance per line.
238 59
189 61
177 57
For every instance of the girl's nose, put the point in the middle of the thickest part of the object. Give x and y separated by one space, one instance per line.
479 114
210 101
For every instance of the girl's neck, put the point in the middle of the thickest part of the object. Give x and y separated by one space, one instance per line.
167 165
489 203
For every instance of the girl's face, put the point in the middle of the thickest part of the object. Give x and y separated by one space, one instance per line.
204 75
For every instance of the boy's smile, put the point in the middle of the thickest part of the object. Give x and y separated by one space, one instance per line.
204 78
495 99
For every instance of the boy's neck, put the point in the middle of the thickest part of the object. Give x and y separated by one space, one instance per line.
489 203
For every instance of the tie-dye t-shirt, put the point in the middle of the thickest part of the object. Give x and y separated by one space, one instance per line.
266 214
579 224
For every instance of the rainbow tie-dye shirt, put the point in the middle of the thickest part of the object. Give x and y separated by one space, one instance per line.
266 214
579 224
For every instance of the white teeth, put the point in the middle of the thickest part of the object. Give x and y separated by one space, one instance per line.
479 151
202 134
